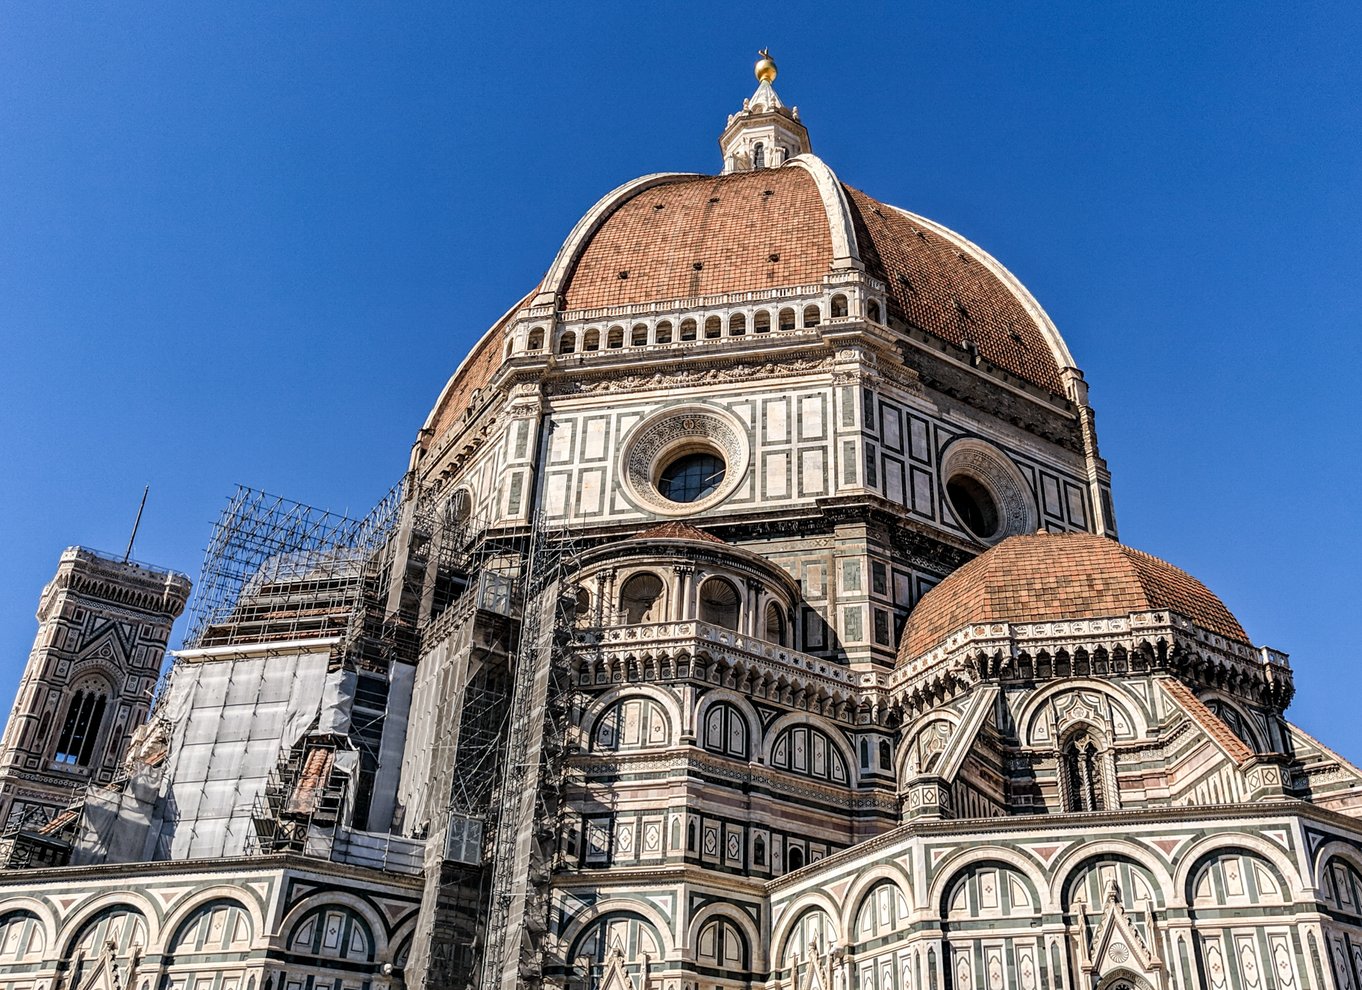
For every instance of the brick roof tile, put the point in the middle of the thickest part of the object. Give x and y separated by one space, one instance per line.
1054 576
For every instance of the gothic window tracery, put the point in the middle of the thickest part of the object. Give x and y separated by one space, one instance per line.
1083 777
84 718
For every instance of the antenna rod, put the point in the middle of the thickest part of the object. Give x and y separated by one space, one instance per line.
135 523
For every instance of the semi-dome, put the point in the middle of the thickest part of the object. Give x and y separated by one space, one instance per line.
1048 577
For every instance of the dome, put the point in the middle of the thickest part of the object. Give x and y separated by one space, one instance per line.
676 237
1044 577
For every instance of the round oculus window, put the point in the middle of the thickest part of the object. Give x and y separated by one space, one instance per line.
974 506
691 477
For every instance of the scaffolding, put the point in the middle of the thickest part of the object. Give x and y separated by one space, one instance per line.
276 569
495 616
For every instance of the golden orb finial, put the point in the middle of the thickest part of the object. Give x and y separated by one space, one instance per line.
766 67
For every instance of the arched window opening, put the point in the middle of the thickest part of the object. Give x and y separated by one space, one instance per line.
218 926
84 717
567 343
886 755
737 325
726 731
22 937
632 723
664 332
787 319
620 932
759 155
536 342
641 598
809 752
1082 768
761 321
714 328
639 335
333 933
719 603
592 340
794 859
759 851
884 910
688 329
872 311
691 844
811 316
616 338
582 607
119 932
839 306
720 944
775 625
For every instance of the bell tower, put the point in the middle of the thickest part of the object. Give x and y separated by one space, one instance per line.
103 626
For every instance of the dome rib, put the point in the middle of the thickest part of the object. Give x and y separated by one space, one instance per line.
1049 577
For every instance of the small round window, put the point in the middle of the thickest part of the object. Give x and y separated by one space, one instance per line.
691 476
974 505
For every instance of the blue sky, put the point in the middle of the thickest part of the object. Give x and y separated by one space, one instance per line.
248 243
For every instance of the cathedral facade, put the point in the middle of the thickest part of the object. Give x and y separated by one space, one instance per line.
752 615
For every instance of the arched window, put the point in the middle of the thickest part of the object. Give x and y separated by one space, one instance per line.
839 305
721 945
886 755
775 624
759 155
536 341
737 325
616 338
811 937
619 932
787 319
641 598
719 603
664 332
80 730
726 730
759 851
872 311
22 937
714 328
761 321
581 610
811 316
118 930
639 335
794 859
688 329
1082 774
809 752
567 343
333 932
883 911
592 340
632 723
218 926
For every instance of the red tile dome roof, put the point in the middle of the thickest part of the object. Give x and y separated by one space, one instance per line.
679 237
1047 577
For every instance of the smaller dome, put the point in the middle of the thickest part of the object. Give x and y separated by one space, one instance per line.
1049 577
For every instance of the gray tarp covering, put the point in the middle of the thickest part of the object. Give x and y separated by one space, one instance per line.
229 721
